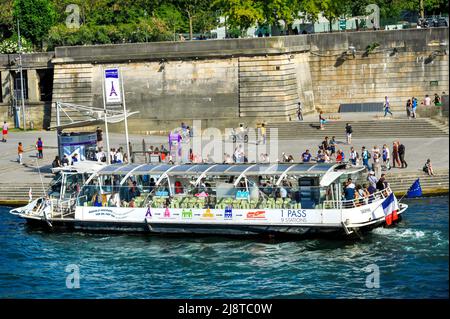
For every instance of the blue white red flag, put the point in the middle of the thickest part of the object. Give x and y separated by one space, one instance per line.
390 208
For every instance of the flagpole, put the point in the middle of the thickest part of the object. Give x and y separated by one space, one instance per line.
108 156
125 117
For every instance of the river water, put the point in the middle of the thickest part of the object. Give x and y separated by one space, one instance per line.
409 261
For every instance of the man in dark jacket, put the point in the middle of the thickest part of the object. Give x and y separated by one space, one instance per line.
401 153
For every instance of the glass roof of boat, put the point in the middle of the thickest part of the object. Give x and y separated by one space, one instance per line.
218 169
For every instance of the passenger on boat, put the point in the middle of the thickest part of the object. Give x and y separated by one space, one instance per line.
114 200
349 192
65 161
178 188
134 191
362 195
283 190
382 183
96 200
151 184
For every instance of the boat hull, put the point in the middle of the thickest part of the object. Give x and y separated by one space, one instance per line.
183 229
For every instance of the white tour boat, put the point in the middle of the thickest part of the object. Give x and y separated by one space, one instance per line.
281 199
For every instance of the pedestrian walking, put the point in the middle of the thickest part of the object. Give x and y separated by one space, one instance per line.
5 132
437 100
386 157
387 107
20 153
401 153
348 132
40 148
427 100
395 156
413 107
300 111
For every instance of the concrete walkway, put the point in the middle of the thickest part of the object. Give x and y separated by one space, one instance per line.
417 151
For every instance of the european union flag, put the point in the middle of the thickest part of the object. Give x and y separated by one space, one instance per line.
415 190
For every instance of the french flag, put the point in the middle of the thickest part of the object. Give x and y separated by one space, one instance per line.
390 208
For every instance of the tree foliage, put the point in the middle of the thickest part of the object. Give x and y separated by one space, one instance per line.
36 18
120 21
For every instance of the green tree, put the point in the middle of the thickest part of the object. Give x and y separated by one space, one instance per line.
206 20
6 19
36 18
240 14
333 9
280 10
194 10
310 9
172 17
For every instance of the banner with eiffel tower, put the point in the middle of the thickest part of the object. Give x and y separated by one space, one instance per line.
112 86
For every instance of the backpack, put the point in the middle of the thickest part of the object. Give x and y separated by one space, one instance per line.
368 155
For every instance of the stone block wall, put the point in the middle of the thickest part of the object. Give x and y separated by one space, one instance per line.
412 69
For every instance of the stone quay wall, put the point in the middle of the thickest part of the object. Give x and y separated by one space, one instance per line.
232 81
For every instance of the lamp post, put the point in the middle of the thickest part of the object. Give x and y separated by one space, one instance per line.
21 77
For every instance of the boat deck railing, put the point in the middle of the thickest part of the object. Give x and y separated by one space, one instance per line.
357 202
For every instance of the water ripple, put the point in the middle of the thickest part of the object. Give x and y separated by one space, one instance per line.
412 260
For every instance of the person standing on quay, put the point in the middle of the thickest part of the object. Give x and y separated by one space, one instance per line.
353 156
348 132
401 153
322 120
40 148
395 157
300 111
20 153
365 154
386 157
376 156
99 137
263 132
5 131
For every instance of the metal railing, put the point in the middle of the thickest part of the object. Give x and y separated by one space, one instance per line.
357 202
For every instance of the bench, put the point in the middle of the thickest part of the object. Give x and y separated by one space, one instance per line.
361 107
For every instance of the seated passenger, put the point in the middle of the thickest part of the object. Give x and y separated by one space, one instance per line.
134 190
178 188
349 191
114 200
96 200
152 184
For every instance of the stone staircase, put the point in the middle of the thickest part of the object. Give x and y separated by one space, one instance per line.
19 193
395 128
400 182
